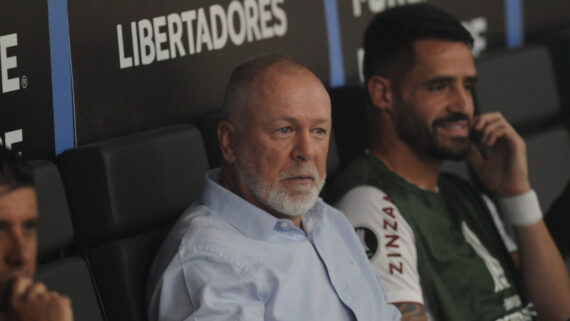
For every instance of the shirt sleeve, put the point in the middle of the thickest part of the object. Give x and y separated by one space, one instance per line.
507 239
208 286
388 241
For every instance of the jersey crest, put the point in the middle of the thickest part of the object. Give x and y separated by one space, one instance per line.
368 240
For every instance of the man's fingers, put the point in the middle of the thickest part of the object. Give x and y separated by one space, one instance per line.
20 285
492 127
498 132
37 303
35 290
480 121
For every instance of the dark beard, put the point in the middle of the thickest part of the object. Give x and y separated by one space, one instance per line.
421 139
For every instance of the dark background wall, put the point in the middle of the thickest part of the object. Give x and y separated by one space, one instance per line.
88 70
26 114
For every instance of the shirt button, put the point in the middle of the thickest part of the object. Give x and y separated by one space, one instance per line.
284 225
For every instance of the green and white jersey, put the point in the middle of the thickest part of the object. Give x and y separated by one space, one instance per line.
440 249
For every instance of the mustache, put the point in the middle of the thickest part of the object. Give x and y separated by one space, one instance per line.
305 170
451 118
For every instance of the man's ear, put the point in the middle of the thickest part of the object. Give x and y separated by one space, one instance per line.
227 139
381 92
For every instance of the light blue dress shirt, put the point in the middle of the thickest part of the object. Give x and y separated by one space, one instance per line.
226 259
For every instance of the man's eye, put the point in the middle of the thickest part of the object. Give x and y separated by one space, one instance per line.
30 225
284 130
320 131
436 86
469 87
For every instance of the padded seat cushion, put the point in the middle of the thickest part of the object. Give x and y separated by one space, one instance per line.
121 271
55 231
132 184
519 83
70 276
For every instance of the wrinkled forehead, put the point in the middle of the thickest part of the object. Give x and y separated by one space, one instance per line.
286 87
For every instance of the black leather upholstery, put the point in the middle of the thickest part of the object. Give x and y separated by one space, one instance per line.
131 184
124 194
68 275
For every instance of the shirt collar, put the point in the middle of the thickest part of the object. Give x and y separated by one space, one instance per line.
248 218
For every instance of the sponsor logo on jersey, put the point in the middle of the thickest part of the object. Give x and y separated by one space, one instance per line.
493 265
391 236
525 314
368 240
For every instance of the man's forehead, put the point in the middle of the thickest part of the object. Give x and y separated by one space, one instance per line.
443 55
279 97
18 204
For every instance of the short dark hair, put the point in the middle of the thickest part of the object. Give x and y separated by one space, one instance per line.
14 172
389 38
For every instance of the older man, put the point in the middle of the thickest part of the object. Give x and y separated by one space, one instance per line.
259 244
21 298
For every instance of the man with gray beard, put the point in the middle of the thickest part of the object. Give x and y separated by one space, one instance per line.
259 244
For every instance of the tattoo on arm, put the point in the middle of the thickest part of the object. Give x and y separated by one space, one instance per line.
412 311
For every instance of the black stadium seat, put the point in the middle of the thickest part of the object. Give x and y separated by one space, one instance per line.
558 44
124 194
521 85
350 122
549 163
68 275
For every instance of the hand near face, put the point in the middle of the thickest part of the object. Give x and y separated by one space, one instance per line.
31 301
505 171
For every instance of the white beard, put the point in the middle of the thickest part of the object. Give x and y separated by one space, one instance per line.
293 201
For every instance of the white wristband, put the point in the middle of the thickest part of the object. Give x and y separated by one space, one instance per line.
521 210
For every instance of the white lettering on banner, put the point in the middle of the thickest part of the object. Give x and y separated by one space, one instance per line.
11 138
162 38
360 61
476 26
8 62
376 6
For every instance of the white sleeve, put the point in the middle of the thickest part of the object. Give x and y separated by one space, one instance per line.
388 241
507 239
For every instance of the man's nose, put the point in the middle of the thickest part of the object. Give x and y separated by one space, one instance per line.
18 252
304 149
462 100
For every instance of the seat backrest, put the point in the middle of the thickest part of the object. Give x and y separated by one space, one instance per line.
121 271
518 83
124 194
209 129
71 276
548 161
350 122
68 275
55 231
132 184
558 44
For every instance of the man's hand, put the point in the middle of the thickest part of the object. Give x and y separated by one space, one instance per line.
505 171
31 301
